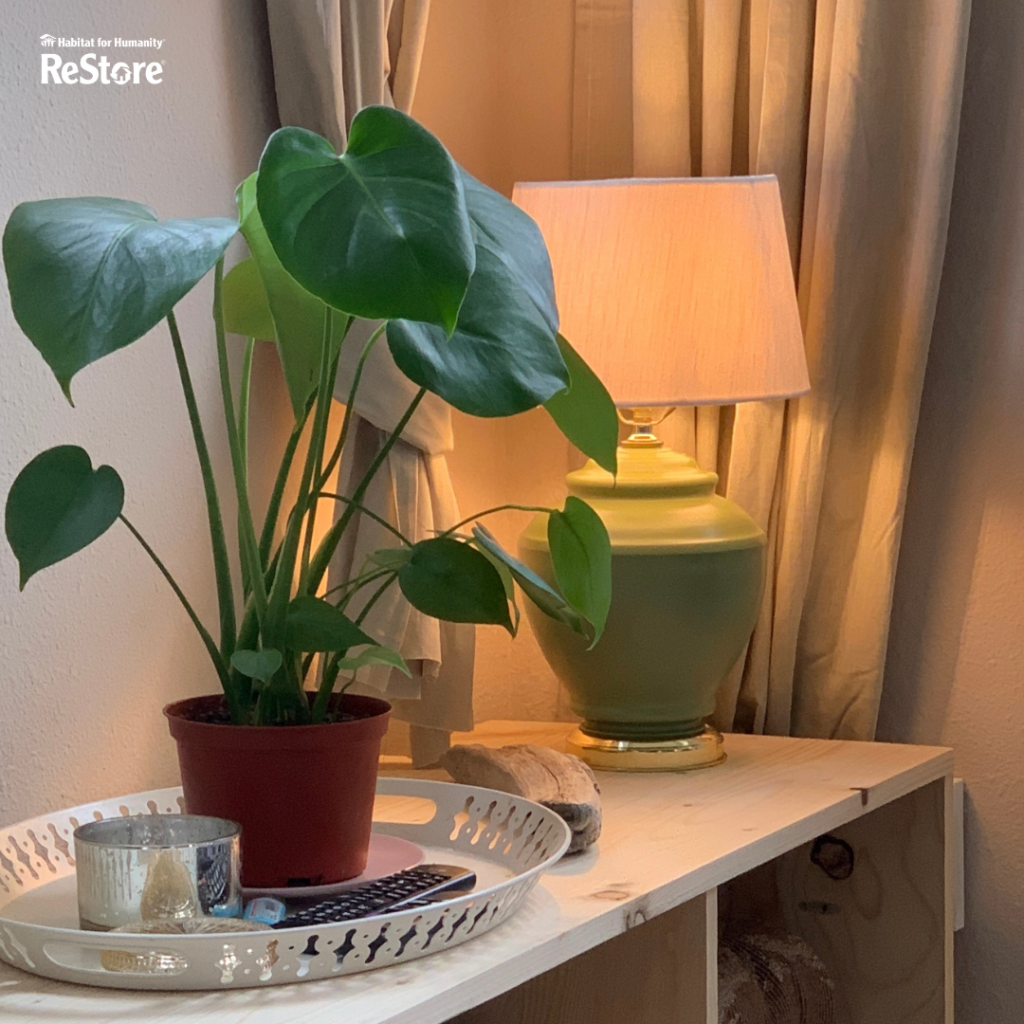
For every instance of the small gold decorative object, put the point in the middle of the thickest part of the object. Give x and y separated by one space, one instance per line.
169 893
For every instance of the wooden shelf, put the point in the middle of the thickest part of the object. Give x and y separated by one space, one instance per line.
632 924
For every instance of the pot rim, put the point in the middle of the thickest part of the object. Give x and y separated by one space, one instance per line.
371 726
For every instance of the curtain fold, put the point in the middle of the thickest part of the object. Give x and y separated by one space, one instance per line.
854 105
332 57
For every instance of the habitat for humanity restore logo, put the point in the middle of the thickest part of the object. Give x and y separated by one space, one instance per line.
91 68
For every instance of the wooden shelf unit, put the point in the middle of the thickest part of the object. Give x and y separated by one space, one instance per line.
628 931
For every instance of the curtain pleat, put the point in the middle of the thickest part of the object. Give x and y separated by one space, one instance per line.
660 143
602 121
854 105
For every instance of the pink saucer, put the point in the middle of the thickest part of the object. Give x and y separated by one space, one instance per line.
388 854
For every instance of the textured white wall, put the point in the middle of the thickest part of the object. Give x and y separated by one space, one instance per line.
955 672
95 646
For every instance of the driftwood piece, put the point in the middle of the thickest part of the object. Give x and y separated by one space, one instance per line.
560 782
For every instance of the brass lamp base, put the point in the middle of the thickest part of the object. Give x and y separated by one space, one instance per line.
681 755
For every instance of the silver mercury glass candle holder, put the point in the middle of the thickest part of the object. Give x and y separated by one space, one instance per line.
157 867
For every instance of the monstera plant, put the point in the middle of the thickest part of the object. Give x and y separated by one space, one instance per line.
391 230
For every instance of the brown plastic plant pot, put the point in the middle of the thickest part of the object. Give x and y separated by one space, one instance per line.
303 794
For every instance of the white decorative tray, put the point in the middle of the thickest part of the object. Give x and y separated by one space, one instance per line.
506 840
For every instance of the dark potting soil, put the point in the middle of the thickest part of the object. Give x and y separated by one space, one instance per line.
210 713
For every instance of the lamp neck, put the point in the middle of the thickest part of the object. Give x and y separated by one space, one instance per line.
643 420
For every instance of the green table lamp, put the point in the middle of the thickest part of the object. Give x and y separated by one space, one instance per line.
677 292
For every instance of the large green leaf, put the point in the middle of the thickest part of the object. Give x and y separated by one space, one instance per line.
89 276
585 412
259 665
297 317
380 231
581 556
246 310
545 597
313 624
453 581
59 504
503 357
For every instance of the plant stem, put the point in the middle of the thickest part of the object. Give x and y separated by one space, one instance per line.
243 402
248 639
274 506
366 512
246 530
349 405
315 455
374 598
323 693
276 705
491 511
243 439
330 542
221 565
215 656
357 584
281 591
332 668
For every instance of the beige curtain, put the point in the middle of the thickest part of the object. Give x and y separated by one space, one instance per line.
854 104
332 57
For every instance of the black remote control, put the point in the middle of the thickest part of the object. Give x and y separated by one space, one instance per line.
393 892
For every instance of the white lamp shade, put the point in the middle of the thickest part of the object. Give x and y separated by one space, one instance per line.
676 291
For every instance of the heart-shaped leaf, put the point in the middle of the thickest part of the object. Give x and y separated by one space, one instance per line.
313 624
89 276
59 504
581 556
503 357
296 317
259 665
585 412
380 231
454 582
545 597
507 581
374 656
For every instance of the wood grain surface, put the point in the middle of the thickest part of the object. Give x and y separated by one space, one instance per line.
668 839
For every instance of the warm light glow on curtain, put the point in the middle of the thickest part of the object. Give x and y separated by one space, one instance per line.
855 107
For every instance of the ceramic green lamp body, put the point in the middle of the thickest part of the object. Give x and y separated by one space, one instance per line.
677 292
687 576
